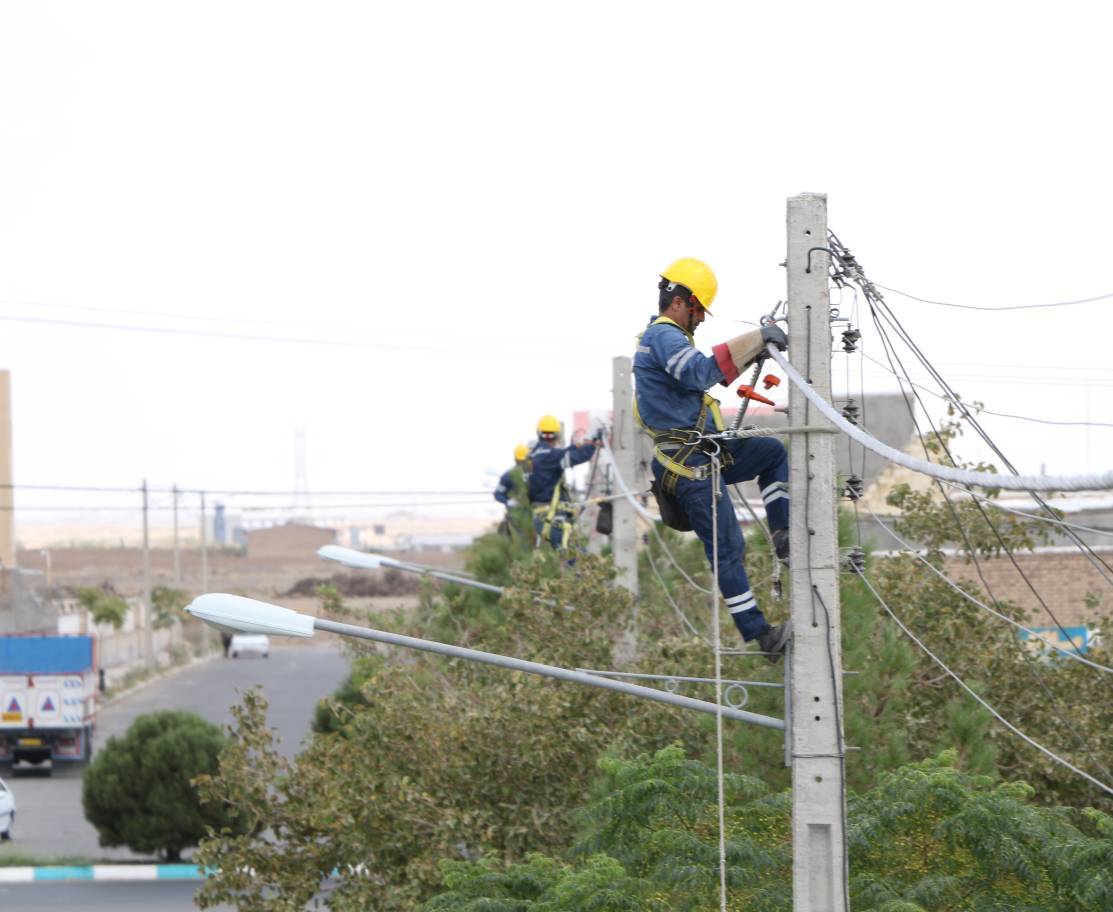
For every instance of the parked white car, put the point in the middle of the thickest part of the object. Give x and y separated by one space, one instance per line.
257 643
7 811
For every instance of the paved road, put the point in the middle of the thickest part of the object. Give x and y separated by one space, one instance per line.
50 820
167 896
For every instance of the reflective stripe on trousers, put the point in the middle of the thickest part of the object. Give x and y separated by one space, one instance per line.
763 458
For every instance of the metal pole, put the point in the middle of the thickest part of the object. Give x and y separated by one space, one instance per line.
550 671
177 543
148 618
204 547
818 773
624 537
210 635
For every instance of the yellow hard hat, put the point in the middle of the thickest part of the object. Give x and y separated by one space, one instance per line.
521 451
696 276
548 425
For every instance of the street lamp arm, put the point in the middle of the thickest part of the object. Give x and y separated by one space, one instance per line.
236 614
362 560
550 671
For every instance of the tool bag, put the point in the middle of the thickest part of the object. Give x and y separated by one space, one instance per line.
672 513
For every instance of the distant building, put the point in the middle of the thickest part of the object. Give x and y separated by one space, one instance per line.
293 539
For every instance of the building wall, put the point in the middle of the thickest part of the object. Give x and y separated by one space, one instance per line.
292 539
1063 578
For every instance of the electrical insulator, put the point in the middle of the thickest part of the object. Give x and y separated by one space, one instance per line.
856 560
850 411
853 488
850 338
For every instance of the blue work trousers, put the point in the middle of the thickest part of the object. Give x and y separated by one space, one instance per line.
765 459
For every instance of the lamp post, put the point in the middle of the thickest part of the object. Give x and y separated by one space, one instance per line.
237 614
362 560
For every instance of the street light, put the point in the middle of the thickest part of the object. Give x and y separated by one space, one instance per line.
236 614
362 560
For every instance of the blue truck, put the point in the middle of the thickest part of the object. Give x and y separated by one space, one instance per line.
48 698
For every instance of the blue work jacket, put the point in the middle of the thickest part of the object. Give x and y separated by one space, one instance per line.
670 376
548 464
505 487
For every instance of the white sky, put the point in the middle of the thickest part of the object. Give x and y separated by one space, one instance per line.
481 195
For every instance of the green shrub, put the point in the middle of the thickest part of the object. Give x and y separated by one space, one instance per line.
138 791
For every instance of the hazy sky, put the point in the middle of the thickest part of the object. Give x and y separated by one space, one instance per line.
458 212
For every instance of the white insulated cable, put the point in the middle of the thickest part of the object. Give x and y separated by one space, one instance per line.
946 473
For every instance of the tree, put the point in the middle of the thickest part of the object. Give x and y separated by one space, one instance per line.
928 838
421 759
168 605
447 759
138 791
104 605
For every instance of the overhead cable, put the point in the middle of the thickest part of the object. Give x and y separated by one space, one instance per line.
1070 654
984 411
960 476
1035 517
905 294
938 661
516 352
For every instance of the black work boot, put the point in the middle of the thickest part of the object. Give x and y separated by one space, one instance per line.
780 544
774 641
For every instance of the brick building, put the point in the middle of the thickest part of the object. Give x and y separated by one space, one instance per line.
292 539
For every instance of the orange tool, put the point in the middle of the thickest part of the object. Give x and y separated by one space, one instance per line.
771 380
747 392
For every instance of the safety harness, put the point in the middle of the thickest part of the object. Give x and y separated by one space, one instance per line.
559 512
673 447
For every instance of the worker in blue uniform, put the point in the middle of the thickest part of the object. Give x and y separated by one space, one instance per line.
553 513
511 491
672 377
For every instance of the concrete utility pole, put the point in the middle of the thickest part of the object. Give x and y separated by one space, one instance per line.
148 613
208 641
819 865
624 537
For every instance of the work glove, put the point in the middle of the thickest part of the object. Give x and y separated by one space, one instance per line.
734 355
774 335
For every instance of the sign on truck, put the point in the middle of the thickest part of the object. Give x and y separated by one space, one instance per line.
48 698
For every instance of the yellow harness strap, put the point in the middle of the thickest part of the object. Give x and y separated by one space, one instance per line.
683 443
550 514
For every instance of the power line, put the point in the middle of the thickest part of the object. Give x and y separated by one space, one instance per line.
520 352
874 298
287 324
246 492
974 423
985 411
905 294
1033 516
1076 654
938 661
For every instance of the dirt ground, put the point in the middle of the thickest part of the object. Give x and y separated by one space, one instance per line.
228 571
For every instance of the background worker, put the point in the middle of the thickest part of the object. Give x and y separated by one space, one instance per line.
511 490
553 513
671 377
